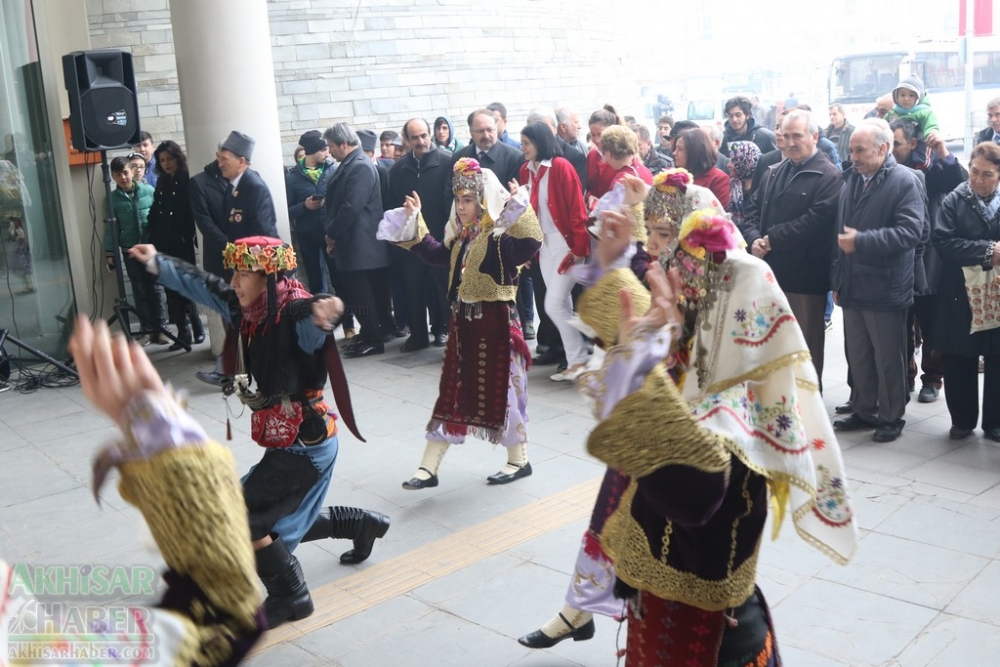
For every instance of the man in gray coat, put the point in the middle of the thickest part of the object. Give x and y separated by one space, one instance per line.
880 220
354 209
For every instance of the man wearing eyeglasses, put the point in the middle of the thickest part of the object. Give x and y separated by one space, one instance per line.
501 159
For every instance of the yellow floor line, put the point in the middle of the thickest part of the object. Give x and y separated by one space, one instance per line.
381 582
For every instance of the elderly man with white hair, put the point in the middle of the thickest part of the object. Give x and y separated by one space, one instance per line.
880 220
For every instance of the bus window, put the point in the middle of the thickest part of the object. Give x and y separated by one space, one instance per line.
987 67
941 70
865 77
701 110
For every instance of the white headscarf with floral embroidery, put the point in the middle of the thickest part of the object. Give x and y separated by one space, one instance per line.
751 378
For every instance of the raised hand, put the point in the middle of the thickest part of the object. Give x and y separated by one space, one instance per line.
327 312
412 204
143 252
663 310
615 236
112 370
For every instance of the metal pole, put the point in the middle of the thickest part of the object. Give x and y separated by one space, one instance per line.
970 73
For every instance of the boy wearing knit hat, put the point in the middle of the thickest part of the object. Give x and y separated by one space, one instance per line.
910 102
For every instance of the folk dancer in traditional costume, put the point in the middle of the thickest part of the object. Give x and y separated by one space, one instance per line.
651 226
186 488
284 347
483 389
704 419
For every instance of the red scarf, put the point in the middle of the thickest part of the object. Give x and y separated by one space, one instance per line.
287 290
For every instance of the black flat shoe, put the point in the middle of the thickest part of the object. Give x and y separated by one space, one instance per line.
844 408
415 483
412 345
365 350
179 345
889 431
539 639
549 357
199 339
212 378
993 434
959 433
440 340
853 423
503 478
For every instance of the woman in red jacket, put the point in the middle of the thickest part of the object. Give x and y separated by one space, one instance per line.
604 170
694 151
558 203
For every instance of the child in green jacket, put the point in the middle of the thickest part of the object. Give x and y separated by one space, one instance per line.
911 103
131 201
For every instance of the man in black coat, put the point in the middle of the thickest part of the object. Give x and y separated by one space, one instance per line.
992 132
230 201
305 190
881 215
354 209
426 170
503 160
941 176
789 223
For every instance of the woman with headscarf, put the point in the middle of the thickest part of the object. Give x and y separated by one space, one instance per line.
484 382
444 135
708 405
743 159
967 236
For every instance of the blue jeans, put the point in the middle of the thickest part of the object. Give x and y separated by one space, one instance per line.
829 307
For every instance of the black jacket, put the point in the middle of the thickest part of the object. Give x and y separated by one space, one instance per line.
170 225
763 137
430 178
354 209
298 188
766 161
222 218
984 135
889 216
503 160
962 236
576 157
798 221
939 180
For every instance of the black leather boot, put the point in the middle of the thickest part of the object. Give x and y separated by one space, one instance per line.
288 598
349 523
197 328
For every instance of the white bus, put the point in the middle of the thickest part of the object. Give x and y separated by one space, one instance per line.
858 79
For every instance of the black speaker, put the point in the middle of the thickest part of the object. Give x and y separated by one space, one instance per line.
103 109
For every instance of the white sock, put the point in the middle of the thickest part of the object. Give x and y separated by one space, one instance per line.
517 458
557 626
433 454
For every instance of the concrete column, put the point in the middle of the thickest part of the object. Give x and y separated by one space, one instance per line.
226 81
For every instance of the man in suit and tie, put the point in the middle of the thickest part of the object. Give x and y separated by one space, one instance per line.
230 201
992 132
503 160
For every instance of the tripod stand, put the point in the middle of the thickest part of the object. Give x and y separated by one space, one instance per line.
122 306
5 336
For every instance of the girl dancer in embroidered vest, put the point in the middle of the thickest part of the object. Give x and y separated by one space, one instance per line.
284 348
483 390
699 452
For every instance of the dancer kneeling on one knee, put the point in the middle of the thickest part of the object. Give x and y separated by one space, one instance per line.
284 351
